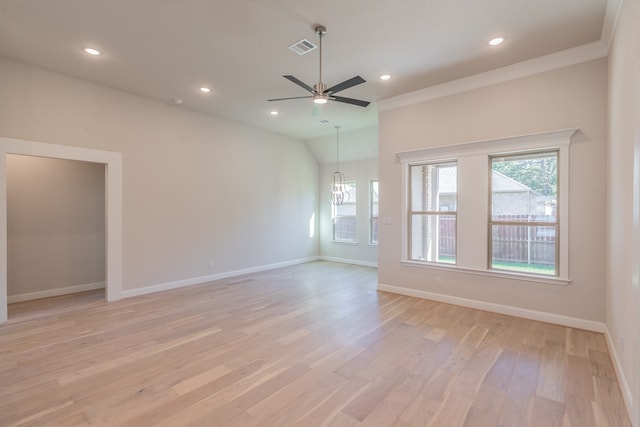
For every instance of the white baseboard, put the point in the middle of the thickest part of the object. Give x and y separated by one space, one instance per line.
625 388
349 261
209 278
541 316
54 292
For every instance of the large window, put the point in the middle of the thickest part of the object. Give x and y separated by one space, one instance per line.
373 213
344 216
495 207
432 212
523 224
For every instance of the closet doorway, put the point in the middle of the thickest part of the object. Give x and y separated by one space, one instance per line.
55 227
111 164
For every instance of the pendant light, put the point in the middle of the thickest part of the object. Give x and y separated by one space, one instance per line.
339 193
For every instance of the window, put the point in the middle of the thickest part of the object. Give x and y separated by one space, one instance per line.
344 216
432 212
523 224
496 207
373 212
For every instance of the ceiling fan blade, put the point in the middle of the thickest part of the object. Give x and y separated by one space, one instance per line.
299 83
292 97
352 101
353 81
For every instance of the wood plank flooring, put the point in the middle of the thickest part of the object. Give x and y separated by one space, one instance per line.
309 345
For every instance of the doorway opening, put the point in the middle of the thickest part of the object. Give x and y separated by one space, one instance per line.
112 163
55 229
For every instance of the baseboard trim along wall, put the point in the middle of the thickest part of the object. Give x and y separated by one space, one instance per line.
349 261
54 292
541 316
622 379
210 278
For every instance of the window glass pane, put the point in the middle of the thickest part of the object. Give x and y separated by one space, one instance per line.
348 207
374 198
374 230
345 228
524 248
373 213
524 187
344 216
433 187
433 238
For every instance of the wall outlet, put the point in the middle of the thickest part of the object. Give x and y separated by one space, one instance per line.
210 264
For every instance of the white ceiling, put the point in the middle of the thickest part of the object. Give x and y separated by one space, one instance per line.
166 49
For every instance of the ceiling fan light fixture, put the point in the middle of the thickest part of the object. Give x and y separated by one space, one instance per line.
320 99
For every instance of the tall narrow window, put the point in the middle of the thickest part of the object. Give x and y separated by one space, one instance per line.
523 226
373 213
344 216
433 212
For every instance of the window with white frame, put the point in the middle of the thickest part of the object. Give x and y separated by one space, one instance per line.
510 212
523 224
373 212
432 212
344 216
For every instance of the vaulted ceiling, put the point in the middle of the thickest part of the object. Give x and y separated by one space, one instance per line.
168 49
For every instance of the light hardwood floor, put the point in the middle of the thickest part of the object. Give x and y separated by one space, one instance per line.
310 345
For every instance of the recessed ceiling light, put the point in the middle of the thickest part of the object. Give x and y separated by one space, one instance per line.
204 89
92 51
385 77
274 113
496 41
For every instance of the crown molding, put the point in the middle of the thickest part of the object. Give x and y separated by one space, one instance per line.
564 58
610 21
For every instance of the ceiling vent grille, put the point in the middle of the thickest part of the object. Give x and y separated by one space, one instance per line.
302 47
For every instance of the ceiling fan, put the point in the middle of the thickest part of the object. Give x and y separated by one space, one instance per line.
319 92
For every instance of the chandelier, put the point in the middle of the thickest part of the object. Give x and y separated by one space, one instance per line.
339 193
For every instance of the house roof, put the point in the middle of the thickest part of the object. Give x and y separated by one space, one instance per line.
500 183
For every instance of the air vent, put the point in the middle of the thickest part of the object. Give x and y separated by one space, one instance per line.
302 47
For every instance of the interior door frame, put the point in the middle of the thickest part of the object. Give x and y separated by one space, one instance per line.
113 206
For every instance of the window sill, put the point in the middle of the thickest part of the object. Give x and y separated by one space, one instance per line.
562 281
344 242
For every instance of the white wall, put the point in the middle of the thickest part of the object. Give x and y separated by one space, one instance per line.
569 97
623 225
55 224
202 195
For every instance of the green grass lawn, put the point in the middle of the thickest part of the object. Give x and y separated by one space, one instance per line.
519 267
525 268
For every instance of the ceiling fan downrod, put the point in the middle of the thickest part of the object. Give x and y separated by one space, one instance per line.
320 31
320 97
